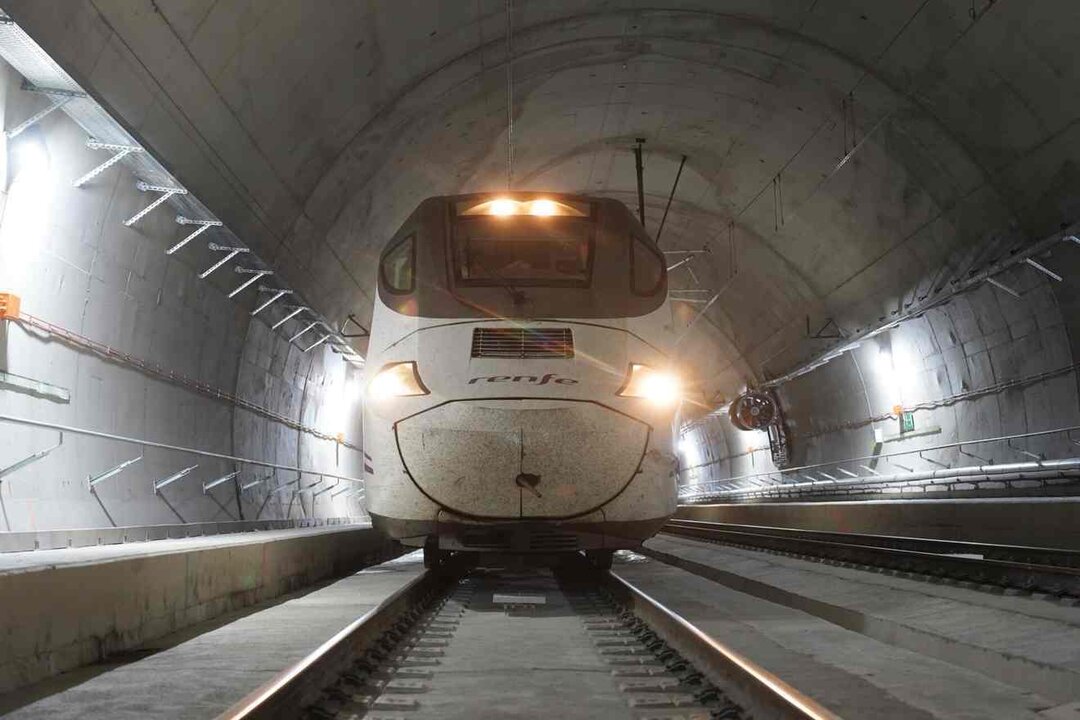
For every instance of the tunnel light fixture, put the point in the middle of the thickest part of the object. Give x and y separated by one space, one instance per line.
400 379
537 207
29 156
660 388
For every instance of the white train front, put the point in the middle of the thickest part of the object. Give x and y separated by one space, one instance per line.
519 395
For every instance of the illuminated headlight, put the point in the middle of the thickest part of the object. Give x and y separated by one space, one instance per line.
540 207
397 380
658 387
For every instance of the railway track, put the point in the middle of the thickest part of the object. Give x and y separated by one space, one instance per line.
1027 569
573 643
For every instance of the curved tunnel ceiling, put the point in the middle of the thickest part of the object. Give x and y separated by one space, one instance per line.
843 156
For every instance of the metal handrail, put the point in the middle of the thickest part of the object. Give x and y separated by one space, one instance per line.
166 446
880 456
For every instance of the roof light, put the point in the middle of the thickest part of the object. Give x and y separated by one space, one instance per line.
540 207
503 207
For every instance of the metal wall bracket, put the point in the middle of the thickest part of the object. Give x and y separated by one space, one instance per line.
344 331
232 252
253 483
207 486
255 275
295 337
30 459
204 225
294 312
36 117
278 294
317 343
28 86
159 484
92 481
824 333
1043 269
1003 287
166 193
119 153
697 317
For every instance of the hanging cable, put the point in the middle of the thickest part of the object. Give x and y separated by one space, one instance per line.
509 96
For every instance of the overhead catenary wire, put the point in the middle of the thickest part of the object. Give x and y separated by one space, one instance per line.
509 95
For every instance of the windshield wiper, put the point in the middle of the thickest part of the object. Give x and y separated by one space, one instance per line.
518 297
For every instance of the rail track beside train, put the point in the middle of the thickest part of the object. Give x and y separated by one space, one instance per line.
1053 571
464 642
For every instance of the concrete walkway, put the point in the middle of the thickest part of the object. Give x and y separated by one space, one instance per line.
202 677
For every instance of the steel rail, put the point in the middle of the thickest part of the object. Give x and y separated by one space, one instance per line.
287 693
759 691
1055 579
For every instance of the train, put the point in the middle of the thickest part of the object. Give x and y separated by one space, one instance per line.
520 393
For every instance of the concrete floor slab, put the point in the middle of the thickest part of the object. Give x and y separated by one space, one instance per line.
1020 640
852 674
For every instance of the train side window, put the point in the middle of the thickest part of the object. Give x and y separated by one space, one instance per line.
646 268
398 268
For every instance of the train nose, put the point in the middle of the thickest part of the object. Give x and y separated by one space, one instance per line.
496 459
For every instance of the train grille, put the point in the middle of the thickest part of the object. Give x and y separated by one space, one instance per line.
522 343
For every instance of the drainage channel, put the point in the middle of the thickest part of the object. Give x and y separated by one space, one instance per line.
571 643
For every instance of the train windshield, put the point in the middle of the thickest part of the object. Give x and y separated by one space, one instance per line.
523 251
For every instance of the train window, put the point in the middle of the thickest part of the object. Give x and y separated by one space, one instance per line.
523 251
398 268
646 268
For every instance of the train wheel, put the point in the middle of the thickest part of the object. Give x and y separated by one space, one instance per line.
600 558
433 557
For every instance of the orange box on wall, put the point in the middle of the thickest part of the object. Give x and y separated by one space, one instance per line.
9 306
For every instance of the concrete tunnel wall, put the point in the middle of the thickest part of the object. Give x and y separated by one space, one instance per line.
68 255
976 342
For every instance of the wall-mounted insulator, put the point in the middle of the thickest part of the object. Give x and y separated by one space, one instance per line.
119 153
204 225
166 193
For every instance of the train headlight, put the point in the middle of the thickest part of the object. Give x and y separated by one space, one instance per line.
400 379
658 387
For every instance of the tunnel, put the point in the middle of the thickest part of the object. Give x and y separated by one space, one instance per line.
532 358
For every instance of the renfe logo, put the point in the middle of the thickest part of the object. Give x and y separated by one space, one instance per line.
530 379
